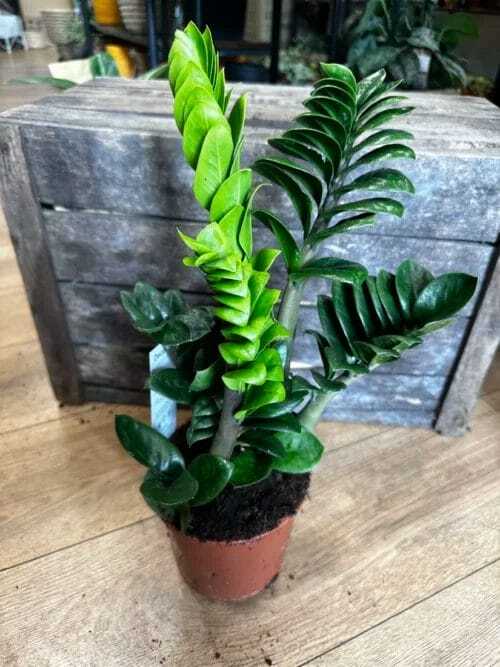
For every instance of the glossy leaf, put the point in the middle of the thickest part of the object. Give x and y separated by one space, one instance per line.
286 242
263 441
302 202
383 117
303 452
213 163
212 474
443 297
361 220
148 447
329 267
162 495
383 137
387 152
304 152
250 467
286 422
234 191
173 384
372 205
380 179
411 278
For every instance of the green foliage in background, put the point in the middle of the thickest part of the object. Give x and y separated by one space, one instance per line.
392 33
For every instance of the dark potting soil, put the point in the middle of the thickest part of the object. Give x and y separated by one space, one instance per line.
244 512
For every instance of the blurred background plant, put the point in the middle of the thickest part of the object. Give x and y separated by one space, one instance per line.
408 39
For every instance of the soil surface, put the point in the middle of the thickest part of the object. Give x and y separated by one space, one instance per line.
247 511
244 512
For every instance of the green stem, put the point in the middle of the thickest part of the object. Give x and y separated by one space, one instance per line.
311 414
289 314
229 429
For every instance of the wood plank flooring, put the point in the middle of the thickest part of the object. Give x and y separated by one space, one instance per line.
394 559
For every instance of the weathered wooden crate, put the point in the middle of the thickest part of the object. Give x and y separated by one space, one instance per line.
94 186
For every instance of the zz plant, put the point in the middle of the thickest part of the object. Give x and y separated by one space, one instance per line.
250 414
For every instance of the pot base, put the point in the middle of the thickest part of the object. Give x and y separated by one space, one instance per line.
231 571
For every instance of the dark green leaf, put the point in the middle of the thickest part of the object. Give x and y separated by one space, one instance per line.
285 407
172 383
372 205
161 495
264 441
371 286
382 137
386 288
286 422
344 225
250 467
411 278
388 152
318 139
340 74
329 267
380 179
309 183
383 117
304 152
443 297
327 385
343 307
212 474
287 244
147 446
303 452
302 203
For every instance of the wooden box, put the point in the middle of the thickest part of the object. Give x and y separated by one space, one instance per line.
94 186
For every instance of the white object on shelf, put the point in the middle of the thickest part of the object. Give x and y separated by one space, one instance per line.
73 70
11 31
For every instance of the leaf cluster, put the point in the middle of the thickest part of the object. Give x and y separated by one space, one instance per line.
391 34
365 326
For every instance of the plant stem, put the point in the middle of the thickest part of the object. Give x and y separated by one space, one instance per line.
289 314
228 430
311 414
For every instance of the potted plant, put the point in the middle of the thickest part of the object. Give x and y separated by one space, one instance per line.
228 482
409 41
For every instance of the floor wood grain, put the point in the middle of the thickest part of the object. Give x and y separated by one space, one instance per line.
393 560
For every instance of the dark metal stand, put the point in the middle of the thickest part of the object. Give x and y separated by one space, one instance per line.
275 41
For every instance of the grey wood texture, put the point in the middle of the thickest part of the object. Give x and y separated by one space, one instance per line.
95 247
95 317
377 398
23 216
135 172
106 164
476 357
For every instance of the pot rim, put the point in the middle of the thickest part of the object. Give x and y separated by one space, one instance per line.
249 540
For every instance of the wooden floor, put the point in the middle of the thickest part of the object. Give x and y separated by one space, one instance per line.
394 559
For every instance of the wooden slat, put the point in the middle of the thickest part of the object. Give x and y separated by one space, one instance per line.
122 249
152 160
478 353
96 317
123 368
22 213
459 626
392 521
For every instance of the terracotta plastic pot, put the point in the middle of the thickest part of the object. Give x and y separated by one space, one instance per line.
231 571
